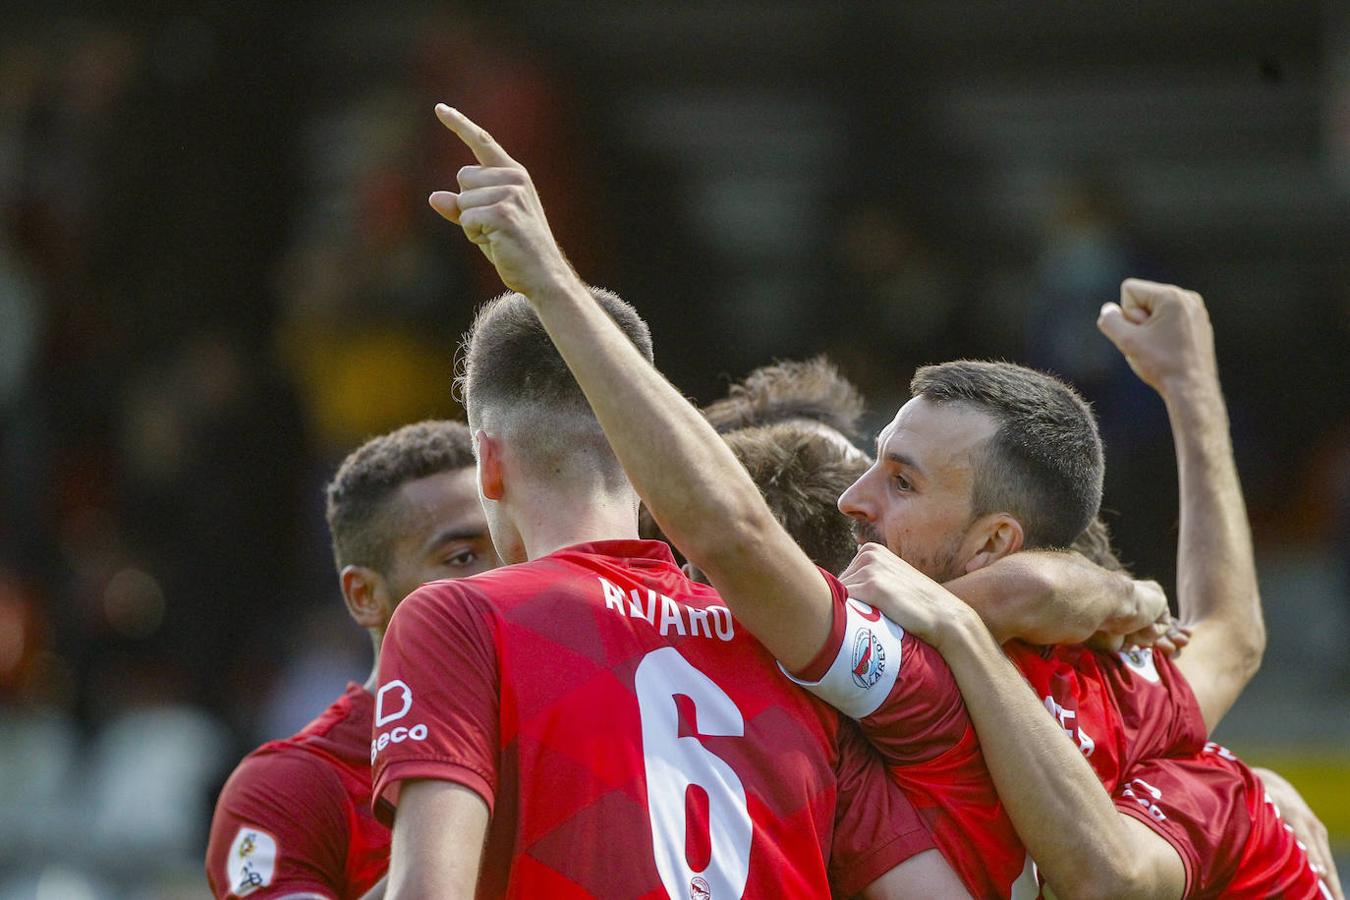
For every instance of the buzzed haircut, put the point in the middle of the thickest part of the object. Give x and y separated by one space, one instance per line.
811 389
511 374
1044 463
801 474
359 498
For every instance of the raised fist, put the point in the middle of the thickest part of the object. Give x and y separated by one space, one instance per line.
1164 332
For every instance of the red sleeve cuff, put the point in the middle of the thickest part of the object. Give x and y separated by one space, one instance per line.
387 786
824 658
866 868
1189 861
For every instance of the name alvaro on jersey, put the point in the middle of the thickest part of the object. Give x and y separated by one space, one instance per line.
669 616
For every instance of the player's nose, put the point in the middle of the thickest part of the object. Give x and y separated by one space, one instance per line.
854 501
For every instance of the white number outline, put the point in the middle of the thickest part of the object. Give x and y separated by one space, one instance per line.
674 763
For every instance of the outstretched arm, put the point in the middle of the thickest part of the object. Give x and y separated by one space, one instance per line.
1166 335
691 482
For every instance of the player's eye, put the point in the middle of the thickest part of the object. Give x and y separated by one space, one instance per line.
902 483
460 560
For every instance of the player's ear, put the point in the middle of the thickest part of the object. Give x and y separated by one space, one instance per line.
490 483
367 596
993 537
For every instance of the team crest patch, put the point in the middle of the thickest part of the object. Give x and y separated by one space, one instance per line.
869 658
699 889
1140 660
252 861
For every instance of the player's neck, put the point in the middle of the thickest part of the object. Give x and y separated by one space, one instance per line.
557 521
376 638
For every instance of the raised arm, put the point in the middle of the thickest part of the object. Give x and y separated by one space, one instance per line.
695 489
1167 338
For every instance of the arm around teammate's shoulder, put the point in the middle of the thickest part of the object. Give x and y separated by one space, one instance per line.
1057 597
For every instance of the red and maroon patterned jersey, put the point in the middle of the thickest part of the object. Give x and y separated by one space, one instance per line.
629 737
1131 714
908 705
295 816
1119 708
1214 810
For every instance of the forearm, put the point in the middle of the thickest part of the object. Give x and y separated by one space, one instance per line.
1046 597
1216 570
696 490
1217 591
1054 799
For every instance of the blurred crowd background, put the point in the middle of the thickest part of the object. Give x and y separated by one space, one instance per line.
218 274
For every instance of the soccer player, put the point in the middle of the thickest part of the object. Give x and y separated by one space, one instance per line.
294 820
1045 597
748 551
707 505
800 473
1207 806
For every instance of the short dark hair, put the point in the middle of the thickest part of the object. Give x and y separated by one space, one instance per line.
1044 463
509 369
809 389
358 497
801 474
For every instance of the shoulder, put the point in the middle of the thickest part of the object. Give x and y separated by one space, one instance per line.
282 808
275 776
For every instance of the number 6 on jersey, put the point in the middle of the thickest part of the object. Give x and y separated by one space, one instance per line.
676 765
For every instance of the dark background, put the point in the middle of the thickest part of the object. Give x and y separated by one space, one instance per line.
218 274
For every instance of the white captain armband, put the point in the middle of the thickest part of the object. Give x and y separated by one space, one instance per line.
866 666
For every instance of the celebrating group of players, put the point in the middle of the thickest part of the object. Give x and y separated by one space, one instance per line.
960 706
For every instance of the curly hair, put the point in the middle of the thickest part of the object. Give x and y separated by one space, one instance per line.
358 506
801 474
789 390
1095 544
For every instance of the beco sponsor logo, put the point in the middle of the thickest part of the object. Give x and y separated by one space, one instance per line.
392 703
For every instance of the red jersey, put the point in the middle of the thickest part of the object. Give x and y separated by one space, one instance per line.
1119 708
908 704
1131 714
1214 810
628 736
295 816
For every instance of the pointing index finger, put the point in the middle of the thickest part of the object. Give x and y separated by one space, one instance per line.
486 150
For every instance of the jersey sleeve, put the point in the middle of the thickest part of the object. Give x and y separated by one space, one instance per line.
1158 709
875 827
436 710
897 687
1198 807
280 828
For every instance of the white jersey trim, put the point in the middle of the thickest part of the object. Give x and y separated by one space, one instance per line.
864 671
